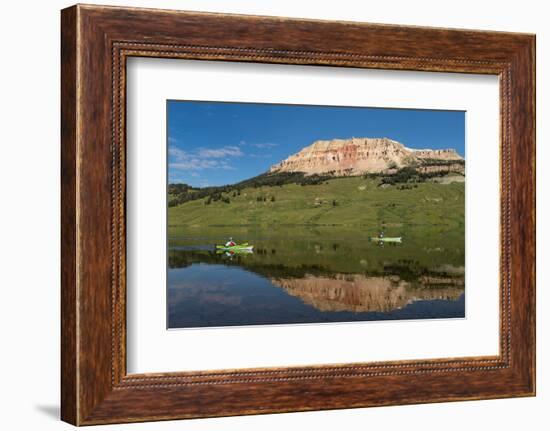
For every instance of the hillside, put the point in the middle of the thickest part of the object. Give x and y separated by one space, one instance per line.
346 201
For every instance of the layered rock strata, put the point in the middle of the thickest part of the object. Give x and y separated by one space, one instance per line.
356 156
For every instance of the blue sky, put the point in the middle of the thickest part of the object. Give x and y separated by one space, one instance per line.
216 143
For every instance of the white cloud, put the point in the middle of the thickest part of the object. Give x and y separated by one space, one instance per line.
204 158
261 145
177 154
264 145
194 164
227 151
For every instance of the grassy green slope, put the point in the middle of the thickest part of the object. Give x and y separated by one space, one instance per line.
359 201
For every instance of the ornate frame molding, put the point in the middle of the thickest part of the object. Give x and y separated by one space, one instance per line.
96 41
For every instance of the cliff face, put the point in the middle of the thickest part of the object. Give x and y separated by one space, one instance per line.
356 156
448 154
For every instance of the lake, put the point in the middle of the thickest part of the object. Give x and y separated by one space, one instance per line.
320 274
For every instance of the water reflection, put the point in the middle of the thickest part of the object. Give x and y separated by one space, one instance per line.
288 279
361 294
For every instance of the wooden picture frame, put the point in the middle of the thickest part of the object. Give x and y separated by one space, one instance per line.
95 43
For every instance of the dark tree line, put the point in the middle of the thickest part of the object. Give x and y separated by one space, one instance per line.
408 175
181 193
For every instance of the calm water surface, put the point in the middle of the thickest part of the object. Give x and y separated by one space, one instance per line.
313 276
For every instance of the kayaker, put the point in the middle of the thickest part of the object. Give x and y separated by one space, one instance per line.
230 243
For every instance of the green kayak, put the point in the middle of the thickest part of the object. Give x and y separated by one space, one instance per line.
386 239
234 252
238 247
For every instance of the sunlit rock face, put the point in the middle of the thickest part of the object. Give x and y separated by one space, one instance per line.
359 293
356 156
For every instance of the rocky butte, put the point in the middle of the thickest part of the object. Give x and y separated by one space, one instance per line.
356 156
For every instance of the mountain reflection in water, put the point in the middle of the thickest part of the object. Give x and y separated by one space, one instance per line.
362 294
313 280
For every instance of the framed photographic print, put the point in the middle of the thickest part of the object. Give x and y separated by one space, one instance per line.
333 230
265 215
